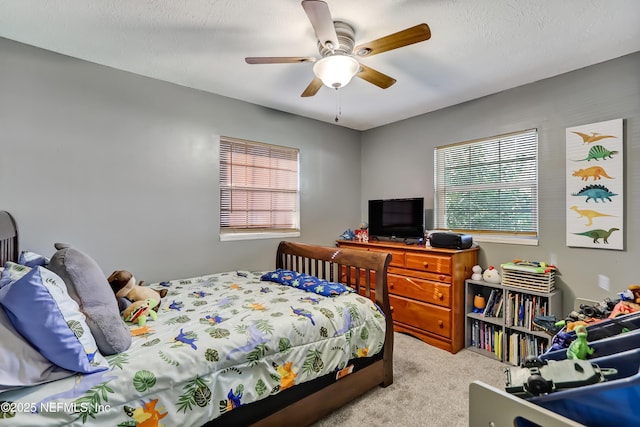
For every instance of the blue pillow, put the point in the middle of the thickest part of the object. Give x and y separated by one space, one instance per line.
32 259
280 275
307 283
40 308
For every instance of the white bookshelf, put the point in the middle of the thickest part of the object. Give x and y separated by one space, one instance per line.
508 335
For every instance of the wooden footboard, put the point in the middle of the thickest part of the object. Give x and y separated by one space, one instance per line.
356 268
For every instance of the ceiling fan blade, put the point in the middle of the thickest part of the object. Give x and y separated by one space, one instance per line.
419 33
375 77
313 88
278 59
320 17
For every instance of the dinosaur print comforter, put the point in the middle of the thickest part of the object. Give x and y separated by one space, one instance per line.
219 341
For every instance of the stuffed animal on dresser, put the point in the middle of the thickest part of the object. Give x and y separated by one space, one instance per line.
127 291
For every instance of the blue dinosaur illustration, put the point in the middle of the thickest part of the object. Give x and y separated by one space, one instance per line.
304 313
199 294
214 320
595 192
82 384
223 301
255 339
185 339
310 300
347 323
265 290
176 305
92 356
234 398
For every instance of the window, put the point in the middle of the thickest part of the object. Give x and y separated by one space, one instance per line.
489 187
259 190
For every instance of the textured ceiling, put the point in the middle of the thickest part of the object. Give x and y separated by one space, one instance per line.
478 47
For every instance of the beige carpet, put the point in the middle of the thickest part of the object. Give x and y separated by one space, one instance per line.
430 388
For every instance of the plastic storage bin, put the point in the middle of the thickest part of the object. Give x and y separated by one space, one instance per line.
610 403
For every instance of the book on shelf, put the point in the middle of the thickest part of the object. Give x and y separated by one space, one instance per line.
495 299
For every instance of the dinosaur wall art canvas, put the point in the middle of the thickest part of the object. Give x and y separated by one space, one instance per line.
595 185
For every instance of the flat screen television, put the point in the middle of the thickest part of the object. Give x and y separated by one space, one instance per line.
397 218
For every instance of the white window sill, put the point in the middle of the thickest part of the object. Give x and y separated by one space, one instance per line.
227 237
488 238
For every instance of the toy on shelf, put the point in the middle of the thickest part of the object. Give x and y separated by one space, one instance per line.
479 303
529 266
491 275
477 272
579 348
348 234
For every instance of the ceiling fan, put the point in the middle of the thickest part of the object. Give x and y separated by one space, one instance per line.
339 55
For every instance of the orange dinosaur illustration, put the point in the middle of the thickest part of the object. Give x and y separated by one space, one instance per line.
144 330
595 136
256 306
287 375
594 171
589 214
362 352
146 415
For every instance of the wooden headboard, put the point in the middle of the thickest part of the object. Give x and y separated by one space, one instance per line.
8 238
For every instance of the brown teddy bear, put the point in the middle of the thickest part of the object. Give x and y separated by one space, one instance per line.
124 286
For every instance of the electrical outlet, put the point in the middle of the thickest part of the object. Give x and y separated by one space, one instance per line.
604 282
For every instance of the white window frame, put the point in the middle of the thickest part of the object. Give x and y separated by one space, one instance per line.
251 233
508 144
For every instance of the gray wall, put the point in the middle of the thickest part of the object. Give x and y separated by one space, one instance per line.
126 167
397 161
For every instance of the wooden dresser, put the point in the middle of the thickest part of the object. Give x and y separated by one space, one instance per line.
426 290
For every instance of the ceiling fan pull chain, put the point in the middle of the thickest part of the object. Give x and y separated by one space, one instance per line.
338 109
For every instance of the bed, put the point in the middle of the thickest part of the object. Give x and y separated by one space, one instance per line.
229 348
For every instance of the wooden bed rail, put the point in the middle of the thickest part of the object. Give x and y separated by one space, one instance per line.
8 238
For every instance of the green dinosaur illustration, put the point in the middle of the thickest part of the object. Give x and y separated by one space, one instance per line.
598 234
598 152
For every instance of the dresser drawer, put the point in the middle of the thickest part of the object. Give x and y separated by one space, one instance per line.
421 315
428 262
419 289
397 257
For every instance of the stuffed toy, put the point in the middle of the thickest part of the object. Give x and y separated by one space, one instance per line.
491 275
139 311
123 284
477 272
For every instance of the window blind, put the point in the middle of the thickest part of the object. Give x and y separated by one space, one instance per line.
259 188
488 185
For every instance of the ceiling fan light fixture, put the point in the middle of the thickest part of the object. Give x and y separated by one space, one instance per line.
336 71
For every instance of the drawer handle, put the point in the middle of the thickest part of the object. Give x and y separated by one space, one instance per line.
439 295
440 323
426 264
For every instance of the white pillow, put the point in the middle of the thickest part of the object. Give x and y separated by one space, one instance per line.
20 364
